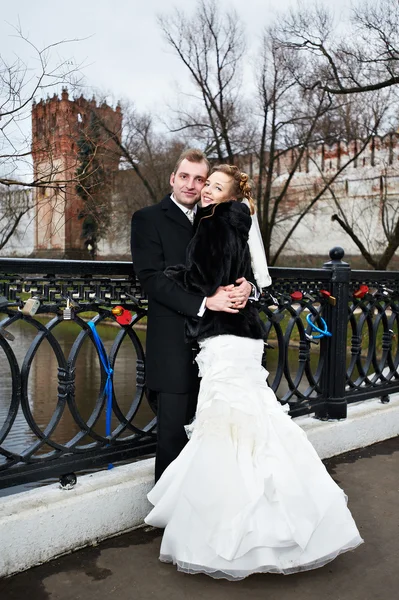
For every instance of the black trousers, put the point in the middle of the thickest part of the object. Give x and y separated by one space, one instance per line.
174 411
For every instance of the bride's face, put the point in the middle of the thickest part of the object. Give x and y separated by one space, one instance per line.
217 188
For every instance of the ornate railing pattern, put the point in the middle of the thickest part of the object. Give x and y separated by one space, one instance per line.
294 294
310 376
93 288
373 367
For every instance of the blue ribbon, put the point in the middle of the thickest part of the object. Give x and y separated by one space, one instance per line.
323 332
108 384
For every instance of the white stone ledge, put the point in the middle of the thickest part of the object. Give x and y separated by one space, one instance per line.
41 524
368 422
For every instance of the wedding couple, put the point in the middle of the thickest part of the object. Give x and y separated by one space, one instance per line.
247 492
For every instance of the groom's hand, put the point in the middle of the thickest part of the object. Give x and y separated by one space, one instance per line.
240 293
221 301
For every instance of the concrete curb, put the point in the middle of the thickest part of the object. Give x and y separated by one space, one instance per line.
368 422
41 524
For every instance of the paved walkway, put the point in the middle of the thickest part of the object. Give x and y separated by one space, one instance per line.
127 567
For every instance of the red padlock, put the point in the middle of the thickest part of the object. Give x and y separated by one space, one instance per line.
361 292
122 315
296 296
327 296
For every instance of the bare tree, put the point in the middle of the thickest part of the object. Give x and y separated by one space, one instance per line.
287 116
211 45
148 158
355 57
139 148
372 224
129 193
20 83
150 153
15 203
292 121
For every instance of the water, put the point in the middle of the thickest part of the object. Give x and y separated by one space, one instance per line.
41 398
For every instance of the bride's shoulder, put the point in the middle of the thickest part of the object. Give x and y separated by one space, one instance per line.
232 208
230 214
235 213
232 205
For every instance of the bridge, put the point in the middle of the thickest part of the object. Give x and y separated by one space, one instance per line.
331 350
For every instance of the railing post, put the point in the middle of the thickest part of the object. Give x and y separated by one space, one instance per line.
334 348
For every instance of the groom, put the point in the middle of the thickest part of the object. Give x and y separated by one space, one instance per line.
160 235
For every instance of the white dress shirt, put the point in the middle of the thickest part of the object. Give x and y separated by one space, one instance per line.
189 212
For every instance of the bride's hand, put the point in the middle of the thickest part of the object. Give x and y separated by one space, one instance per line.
221 301
240 294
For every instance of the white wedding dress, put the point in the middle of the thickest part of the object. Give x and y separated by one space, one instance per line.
248 493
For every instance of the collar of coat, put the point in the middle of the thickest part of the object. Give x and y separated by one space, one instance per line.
175 213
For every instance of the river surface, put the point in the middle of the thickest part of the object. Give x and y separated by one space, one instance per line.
43 382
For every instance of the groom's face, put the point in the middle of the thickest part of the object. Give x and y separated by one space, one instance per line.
188 182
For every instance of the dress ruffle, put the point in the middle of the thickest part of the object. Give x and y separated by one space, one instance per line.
248 493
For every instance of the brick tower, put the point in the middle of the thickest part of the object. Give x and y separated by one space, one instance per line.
57 126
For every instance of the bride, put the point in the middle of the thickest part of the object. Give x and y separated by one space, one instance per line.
248 493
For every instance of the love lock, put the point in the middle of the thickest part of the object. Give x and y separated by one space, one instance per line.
361 292
311 339
284 300
266 298
31 306
67 313
122 315
327 296
308 296
68 481
296 296
372 294
320 332
273 300
387 291
136 301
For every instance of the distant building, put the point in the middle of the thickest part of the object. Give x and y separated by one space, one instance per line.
367 190
364 189
16 220
57 126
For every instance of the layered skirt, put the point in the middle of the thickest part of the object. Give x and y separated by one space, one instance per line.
248 493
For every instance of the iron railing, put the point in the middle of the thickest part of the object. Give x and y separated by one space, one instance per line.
359 360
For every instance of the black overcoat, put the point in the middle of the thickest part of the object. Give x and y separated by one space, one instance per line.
160 235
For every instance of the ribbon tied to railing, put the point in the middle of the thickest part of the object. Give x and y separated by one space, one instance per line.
109 383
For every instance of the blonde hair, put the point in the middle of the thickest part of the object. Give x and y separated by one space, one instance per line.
241 188
192 155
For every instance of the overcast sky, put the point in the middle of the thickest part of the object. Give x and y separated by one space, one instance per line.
124 53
